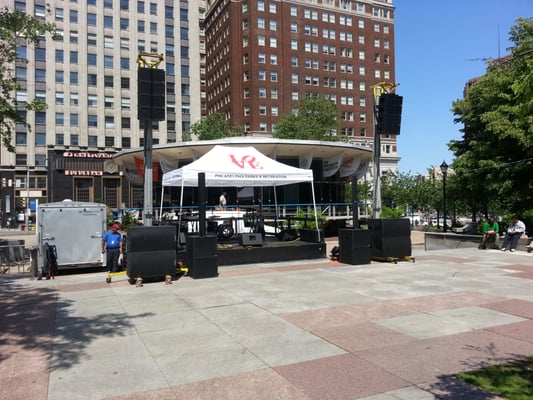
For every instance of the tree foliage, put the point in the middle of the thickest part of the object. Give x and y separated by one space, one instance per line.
314 119
494 158
213 126
16 28
409 192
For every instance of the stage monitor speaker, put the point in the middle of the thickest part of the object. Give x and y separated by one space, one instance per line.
251 239
389 114
354 246
151 238
287 235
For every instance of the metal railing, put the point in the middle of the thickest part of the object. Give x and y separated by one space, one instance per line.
326 210
14 254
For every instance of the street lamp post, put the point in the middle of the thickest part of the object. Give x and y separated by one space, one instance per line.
444 170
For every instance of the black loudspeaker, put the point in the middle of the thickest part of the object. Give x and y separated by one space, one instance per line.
390 227
151 238
204 267
311 235
287 235
151 94
251 239
391 246
151 252
390 237
389 114
354 246
151 264
201 256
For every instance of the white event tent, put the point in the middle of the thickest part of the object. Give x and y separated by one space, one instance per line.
225 166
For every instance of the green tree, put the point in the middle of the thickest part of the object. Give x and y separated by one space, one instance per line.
313 119
213 126
16 29
494 158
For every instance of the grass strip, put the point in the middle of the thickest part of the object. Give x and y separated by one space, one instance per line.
513 381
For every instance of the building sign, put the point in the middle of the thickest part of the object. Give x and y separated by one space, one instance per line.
70 154
83 173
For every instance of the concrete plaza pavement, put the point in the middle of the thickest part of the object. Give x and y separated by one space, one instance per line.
307 330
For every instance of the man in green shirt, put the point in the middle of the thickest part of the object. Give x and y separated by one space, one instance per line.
491 236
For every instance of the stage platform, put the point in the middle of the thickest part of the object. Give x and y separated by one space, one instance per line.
271 250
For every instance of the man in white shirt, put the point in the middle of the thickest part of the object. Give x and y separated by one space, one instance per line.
514 232
222 200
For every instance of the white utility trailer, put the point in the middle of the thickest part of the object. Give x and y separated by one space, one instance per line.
75 229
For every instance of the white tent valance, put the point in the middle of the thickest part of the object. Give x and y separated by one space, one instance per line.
236 167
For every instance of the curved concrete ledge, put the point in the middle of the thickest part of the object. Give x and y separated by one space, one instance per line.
441 241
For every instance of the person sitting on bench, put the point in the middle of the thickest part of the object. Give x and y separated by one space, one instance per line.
514 231
491 234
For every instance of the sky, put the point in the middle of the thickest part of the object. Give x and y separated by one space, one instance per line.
439 46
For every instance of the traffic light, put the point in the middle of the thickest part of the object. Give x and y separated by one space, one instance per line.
389 114
4 182
23 202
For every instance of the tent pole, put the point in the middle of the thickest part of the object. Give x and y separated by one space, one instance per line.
277 210
181 211
161 205
314 208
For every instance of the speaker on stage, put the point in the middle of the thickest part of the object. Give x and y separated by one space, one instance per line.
251 239
354 246
287 235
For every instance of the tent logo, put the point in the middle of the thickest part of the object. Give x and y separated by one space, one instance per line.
250 160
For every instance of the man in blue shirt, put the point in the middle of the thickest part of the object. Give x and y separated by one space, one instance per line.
112 245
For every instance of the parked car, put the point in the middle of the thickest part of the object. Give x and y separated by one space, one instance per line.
469 228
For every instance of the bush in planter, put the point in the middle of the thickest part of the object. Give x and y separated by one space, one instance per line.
311 222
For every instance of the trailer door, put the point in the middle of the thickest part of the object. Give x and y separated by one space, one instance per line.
76 233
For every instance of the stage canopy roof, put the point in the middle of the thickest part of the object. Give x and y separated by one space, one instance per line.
173 155
236 167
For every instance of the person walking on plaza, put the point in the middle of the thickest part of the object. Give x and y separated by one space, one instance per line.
491 236
112 245
514 231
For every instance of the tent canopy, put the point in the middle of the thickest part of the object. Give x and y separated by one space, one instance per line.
237 167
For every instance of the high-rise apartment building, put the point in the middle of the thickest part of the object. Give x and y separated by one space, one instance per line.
88 79
250 60
263 56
